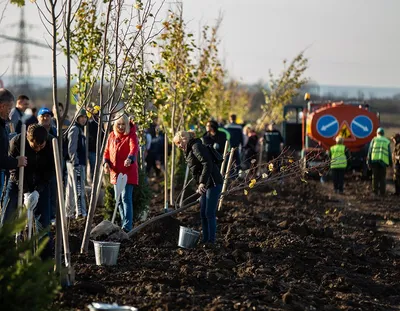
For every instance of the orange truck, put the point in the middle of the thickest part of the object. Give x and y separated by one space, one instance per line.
313 128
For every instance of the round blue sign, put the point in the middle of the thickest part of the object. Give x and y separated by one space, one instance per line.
361 126
327 126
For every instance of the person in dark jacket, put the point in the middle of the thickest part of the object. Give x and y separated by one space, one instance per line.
236 140
27 120
6 162
214 137
250 149
208 178
37 175
44 118
93 126
155 154
273 142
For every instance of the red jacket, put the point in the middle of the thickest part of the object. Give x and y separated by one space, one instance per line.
118 149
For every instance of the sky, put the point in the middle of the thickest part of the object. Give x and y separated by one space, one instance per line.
347 42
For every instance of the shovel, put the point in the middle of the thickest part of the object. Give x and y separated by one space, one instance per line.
30 202
121 183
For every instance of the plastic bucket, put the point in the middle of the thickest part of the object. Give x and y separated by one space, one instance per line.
95 306
188 238
106 253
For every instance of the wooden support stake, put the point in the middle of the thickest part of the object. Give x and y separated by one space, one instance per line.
184 185
227 175
63 216
165 172
225 155
260 156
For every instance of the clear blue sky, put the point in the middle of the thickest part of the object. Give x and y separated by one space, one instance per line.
349 42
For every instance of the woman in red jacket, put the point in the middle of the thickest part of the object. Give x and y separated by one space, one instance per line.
120 157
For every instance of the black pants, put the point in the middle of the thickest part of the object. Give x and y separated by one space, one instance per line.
151 163
378 178
338 178
396 177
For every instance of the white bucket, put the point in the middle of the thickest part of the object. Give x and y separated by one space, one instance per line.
95 306
106 253
188 238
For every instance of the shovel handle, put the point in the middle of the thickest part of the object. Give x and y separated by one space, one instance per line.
116 206
21 169
148 222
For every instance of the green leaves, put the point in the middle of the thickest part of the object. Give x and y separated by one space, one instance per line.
18 2
282 89
85 46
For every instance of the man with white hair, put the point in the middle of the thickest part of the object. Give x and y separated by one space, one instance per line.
339 156
379 158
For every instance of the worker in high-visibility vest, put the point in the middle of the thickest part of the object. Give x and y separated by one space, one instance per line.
379 158
340 157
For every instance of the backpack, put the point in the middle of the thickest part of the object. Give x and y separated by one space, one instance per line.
215 155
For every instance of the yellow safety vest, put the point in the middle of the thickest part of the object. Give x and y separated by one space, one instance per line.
338 157
380 149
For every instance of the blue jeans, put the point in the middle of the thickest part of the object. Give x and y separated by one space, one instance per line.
125 207
42 208
208 213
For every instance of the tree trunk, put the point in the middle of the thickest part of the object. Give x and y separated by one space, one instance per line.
165 171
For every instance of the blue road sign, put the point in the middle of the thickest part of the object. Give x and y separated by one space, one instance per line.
361 126
327 126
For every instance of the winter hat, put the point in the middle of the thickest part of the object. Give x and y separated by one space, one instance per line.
380 131
81 112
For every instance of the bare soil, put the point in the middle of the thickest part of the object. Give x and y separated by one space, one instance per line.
302 249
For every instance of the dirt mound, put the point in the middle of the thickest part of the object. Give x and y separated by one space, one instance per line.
165 230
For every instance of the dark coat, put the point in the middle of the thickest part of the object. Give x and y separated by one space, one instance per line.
219 138
40 169
249 151
200 162
6 162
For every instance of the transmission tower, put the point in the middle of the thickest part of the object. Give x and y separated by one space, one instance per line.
21 69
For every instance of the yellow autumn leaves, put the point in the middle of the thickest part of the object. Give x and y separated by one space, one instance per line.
251 185
91 111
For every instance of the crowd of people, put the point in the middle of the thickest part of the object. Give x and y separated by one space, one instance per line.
121 156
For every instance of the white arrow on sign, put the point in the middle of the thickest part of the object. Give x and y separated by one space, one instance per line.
325 127
364 128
